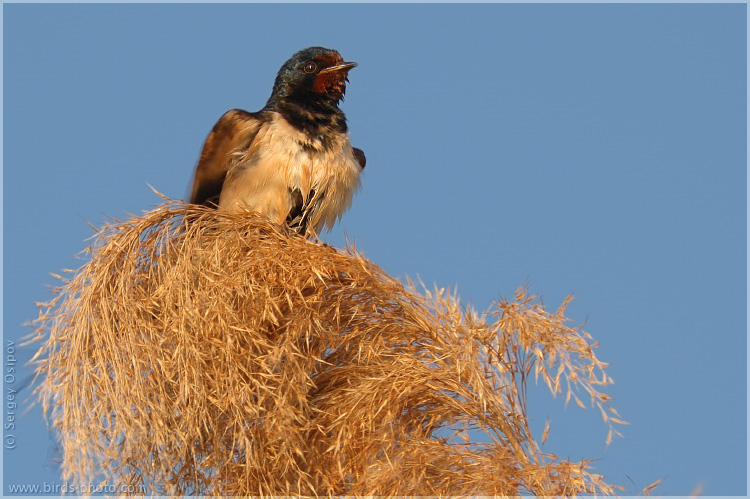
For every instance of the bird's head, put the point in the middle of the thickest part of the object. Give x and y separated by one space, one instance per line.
315 73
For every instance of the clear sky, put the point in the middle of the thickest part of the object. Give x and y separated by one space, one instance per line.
598 150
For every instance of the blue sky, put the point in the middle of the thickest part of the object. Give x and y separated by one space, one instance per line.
591 149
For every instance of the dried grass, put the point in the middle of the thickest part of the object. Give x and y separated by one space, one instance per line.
205 352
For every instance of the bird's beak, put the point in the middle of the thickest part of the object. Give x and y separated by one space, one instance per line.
344 66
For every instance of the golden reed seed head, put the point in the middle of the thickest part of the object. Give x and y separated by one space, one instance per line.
200 351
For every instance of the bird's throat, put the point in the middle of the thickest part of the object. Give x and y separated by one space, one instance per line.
319 120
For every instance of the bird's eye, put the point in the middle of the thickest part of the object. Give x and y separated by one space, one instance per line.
309 67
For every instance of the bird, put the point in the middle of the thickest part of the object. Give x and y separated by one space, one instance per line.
292 161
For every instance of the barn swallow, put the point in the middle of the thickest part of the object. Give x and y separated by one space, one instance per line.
291 161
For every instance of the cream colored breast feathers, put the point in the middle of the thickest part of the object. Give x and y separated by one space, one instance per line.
263 178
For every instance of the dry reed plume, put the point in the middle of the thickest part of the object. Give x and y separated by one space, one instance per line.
204 352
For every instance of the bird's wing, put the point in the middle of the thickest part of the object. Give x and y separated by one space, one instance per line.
359 154
232 133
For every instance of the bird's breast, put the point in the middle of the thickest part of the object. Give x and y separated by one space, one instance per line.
281 160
